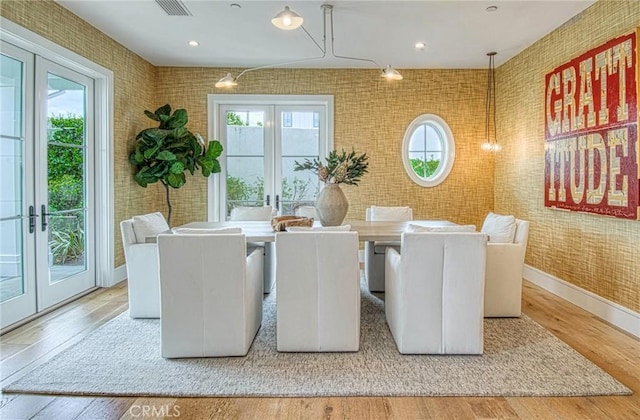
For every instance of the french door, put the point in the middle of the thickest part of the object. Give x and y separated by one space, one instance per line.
46 206
261 144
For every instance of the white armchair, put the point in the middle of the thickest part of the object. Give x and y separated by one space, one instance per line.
306 211
434 295
374 252
503 283
211 294
249 213
318 299
264 213
142 263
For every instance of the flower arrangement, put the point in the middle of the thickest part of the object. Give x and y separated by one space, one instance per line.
340 168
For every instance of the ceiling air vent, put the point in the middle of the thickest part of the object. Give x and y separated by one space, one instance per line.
174 7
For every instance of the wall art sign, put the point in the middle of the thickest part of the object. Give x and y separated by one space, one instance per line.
591 131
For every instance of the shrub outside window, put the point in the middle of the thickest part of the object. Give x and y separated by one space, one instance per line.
428 150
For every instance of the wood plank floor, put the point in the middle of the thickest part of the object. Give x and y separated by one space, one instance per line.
34 343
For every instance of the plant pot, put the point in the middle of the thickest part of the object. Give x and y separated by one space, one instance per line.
331 205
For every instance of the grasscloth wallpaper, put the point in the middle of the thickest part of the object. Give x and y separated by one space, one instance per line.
597 253
371 115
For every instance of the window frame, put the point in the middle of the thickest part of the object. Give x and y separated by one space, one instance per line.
448 149
217 182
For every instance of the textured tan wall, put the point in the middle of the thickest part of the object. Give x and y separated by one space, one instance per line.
133 88
597 253
371 115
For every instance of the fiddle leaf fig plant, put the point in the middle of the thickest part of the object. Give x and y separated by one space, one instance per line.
163 154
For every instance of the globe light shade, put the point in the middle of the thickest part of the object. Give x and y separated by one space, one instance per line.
491 147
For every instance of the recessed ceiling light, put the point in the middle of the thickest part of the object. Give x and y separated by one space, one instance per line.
419 45
492 8
235 6
193 43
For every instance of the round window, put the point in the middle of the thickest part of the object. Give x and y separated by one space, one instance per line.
428 150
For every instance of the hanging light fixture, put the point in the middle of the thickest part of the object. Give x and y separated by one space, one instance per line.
391 73
491 145
288 20
226 81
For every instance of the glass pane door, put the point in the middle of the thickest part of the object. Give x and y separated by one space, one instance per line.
262 140
247 152
300 137
66 209
46 203
17 274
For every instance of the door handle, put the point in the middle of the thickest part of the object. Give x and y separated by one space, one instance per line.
277 202
44 222
268 200
32 219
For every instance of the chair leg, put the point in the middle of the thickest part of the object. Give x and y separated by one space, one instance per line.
269 266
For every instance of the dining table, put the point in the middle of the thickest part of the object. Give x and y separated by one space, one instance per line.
261 231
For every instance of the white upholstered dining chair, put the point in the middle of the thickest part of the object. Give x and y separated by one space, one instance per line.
143 284
374 252
248 213
211 294
434 296
318 298
306 211
505 264
260 214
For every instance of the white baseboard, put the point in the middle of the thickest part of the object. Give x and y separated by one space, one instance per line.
119 274
623 318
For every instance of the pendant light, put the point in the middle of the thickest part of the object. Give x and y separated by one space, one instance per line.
289 20
491 145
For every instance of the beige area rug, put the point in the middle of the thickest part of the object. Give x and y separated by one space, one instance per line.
122 358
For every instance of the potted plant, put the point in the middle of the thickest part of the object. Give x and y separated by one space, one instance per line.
165 152
340 168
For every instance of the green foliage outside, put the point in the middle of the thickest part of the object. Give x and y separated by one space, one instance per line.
66 245
66 187
65 164
234 119
242 193
294 195
425 168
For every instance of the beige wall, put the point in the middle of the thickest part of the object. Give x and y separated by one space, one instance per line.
597 253
371 116
133 85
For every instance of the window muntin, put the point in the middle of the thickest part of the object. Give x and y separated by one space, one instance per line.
428 150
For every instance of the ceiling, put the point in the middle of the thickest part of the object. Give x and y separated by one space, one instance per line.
239 33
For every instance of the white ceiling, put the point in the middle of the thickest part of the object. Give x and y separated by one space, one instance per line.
458 33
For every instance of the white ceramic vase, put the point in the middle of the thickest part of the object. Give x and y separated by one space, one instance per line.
331 205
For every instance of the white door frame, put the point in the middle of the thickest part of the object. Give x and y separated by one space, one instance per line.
52 293
215 101
103 107
24 305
